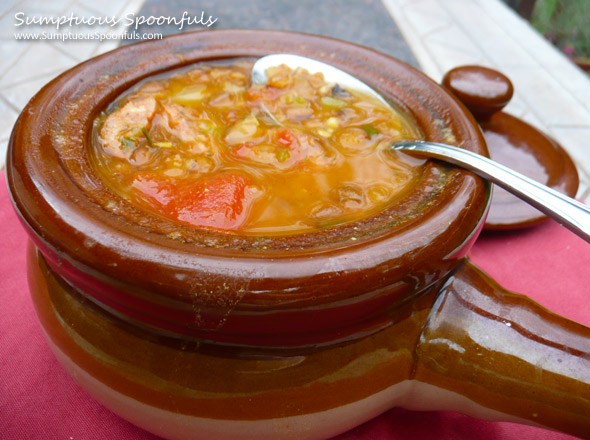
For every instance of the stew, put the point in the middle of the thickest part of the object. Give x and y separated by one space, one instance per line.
206 148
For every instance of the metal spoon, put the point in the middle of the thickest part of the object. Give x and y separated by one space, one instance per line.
573 215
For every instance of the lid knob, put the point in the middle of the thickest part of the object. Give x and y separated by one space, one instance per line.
482 90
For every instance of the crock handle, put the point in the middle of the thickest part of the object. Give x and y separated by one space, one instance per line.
505 357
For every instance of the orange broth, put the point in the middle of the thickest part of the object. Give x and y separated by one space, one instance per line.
206 148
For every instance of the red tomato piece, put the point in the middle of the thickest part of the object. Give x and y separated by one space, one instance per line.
156 192
288 139
221 202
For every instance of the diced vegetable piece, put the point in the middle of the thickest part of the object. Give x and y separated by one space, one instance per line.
330 102
242 131
332 122
222 202
283 154
233 88
147 136
370 130
209 128
190 95
128 142
163 144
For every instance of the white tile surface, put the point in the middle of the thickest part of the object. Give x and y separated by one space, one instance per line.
18 95
46 59
8 118
10 52
546 97
427 16
82 49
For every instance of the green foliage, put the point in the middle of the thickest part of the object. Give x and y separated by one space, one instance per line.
542 14
565 23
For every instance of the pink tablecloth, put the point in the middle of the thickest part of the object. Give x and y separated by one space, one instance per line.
38 400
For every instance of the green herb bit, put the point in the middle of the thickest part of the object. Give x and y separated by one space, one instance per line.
330 102
210 128
300 100
295 99
147 136
370 130
283 154
128 142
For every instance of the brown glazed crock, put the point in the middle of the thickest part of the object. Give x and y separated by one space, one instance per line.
194 333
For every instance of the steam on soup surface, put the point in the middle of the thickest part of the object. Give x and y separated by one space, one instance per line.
205 148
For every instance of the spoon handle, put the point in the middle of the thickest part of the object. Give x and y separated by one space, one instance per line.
570 213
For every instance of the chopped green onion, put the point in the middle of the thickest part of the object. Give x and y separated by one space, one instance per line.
330 102
370 130
163 144
209 127
295 99
128 142
283 154
147 136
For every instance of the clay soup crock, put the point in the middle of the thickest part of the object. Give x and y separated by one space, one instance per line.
194 333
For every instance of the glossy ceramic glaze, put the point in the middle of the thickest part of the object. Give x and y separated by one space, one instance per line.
194 333
513 143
